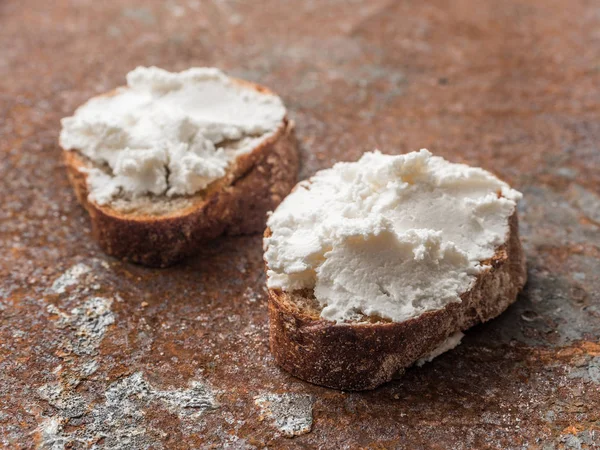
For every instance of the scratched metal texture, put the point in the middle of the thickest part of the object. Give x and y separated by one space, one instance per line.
96 353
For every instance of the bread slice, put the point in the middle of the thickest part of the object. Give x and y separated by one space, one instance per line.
159 230
367 353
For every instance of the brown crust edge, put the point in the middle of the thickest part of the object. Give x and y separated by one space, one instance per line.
362 356
237 204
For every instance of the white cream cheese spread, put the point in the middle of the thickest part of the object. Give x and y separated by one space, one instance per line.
168 133
450 343
390 236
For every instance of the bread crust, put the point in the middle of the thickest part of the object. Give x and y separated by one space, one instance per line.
360 356
235 204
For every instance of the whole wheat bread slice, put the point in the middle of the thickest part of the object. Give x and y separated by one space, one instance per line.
363 355
159 231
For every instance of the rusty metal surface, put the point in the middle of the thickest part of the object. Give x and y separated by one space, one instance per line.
97 352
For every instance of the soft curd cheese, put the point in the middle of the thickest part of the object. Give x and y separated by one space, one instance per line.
390 236
168 133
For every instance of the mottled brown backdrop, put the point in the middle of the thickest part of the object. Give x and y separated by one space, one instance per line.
97 352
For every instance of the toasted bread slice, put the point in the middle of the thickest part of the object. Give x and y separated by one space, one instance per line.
365 354
379 264
159 230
